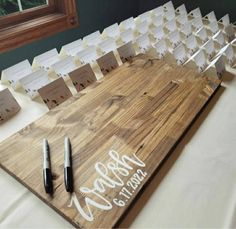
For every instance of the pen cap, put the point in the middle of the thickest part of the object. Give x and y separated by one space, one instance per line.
67 159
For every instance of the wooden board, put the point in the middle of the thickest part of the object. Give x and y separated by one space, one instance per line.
120 130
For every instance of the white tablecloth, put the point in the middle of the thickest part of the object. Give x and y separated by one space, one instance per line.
196 187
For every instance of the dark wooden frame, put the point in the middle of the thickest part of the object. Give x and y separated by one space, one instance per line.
24 27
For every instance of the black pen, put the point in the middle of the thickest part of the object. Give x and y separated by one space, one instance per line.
68 172
47 175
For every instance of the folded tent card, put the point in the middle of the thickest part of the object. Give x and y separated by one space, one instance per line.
126 52
191 44
8 105
169 6
170 15
93 39
145 17
72 48
229 53
219 38
196 13
82 77
159 11
161 48
181 10
186 29
180 54
128 24
88 55
112 31
202 35
13 74
182 19
34 81
211 17
171 25
143 43
55 93
197 23
229 31
107 45
225 20
46 60
209 48
127 36
65 66
142 27
158 33
174 38
158 20
213 27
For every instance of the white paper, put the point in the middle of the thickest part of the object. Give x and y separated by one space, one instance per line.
182 19
196 13
174 38
158 20
181 10
211 16
47 59
88 55
107 45
127 36
34 81
219 65
171 25
93 38
158 33
126 52
202 34
112 31
197 23
63 67
128 24
191 44
143 43
169 6
230 56
161 48
186 29
180 54
145 17
143 27
170 15
209 48
213 26
14 73
200 60
107 63
225 20
158 11
219 38
72 48
229 31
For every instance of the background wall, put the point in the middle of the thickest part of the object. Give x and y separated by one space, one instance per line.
98 14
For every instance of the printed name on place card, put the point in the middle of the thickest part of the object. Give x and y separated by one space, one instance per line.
180 54
142 27
13 74
82 77
182 10
158 33
128 24
93 38
186 29
47 59
107 45
143 43
112 31
158 20
107 63
158 11
191 44
200 60
217 65
171 25
219 38
34 81
161 48
63 67
127 36
55 93
126 52
174 38
196 13
209 47
72 48
8 105
211 16
88 55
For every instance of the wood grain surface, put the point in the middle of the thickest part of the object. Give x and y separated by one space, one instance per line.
121 130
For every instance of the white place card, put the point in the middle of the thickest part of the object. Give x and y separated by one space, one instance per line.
225 20
93 38
161 48
171 25
180 54
47 59
143 43
13 74
158 33
72 48
230 55
197 23
128 24
202 34
211 17
158 11
158 20
186 29
82 77
229 31
107 63
142 27
214 27
182 19
200 60
126 52
174 38
63 67
181 10
217 65
145 17
34 81
170 15
196 13
8 105
112 31
209 48
88 55
55 93
127 36
191 44
219 38
169 6
107 45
